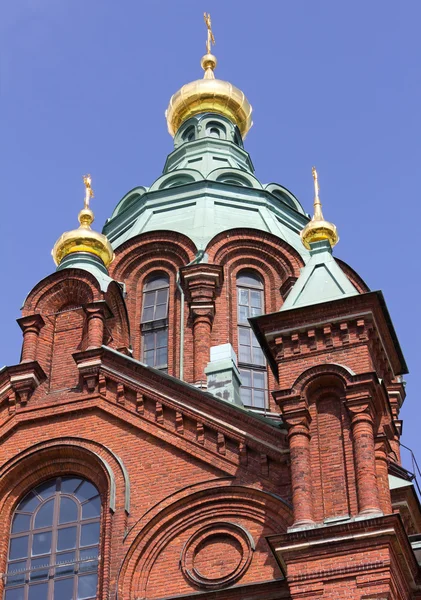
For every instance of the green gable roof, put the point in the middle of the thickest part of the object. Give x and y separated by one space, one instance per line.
321 280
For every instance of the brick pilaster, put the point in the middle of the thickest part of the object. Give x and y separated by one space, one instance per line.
364 457
31 327
201 283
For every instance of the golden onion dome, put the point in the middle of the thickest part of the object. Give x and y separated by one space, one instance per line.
83 239
209 95
318 229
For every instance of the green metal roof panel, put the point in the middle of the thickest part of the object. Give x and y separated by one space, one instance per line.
321 280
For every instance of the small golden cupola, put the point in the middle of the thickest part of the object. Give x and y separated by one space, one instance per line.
83 239
209 95
318 229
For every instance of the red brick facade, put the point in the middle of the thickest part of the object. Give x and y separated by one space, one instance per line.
199 497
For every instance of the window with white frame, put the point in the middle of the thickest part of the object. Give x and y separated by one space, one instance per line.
251 361
154 321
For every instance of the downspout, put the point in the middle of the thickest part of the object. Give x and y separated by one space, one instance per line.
200 254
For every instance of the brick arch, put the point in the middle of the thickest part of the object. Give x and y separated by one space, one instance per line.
253 242
329 375
48 460
68 287
165 526
163 244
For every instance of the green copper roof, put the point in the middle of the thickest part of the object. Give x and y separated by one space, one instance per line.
87 262
321 280
208 186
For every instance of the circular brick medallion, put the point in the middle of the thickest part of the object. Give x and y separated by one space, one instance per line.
217 555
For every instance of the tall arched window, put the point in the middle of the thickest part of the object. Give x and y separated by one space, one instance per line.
154 321
251 361
54 542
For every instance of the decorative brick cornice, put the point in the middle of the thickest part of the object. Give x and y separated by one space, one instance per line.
315 548
201 283
19 382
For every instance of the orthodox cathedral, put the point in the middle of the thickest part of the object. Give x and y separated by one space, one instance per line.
207 401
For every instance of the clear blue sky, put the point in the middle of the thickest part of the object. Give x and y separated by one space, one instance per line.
84 87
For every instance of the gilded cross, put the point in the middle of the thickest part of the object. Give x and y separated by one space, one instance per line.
211 39
316 182
89 192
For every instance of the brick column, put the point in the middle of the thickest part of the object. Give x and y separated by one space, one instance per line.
96 314
364 457
31 326
382 447
201 283
202 329
299 446
296 416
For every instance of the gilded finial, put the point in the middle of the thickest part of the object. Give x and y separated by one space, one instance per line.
318 229
84 239
208 61
211 37
89 192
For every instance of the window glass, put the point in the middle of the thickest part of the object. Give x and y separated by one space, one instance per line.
251 360
48 558
155 321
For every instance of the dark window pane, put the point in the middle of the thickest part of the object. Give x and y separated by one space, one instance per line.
156 281
147 314
92 508
245 395
162 296
245 377
160 311
243 313
63 589
15 594
245 355
68 510
29 503
16 573
86 491
249 278
259 380
90 534
67 559
66 538
21 523
87 586
244 335
90 560
44 517
255 312
259 398
69 484
256 299
258 357
161 338
38 591
161 357
41 543
18 547
39 568
47 489
149 299
243 297
149 358
148 341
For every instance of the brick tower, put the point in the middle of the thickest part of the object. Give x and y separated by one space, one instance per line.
207 401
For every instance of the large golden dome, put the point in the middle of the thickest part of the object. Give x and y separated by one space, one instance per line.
83 239
209 95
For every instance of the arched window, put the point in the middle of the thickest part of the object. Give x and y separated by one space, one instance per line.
251 361
54 542
216 130
189 134
154 321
